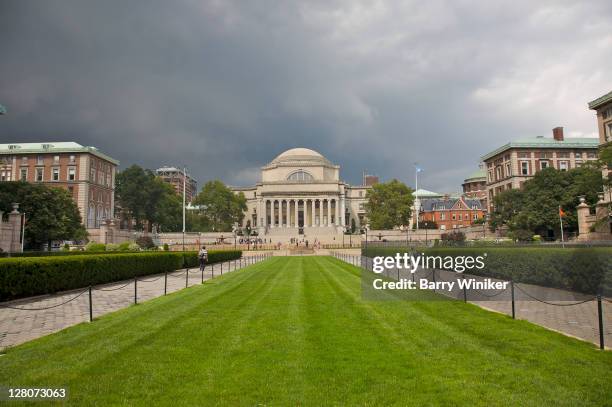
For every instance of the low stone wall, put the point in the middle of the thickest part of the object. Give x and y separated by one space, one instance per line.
10 231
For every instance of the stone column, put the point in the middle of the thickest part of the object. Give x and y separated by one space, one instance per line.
337 211
328 223
288 212
295 209
312 213
342 210
582 212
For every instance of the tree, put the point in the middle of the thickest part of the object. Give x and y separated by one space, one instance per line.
221 207
145 197
389 205
51 213
535 208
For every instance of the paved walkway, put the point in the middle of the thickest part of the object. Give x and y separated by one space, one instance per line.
18 326
579 320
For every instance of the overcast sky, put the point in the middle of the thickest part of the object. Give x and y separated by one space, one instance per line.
224 86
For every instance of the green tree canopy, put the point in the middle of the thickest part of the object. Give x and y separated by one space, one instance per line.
221 207
145 197
51 213
389 205
535 208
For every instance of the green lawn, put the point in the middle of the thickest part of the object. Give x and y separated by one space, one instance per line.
295 331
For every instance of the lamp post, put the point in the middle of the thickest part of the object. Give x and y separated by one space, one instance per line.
184 187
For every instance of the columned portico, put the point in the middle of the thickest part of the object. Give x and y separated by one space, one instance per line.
300 195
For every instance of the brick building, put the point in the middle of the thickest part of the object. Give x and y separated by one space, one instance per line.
175 177
475 186
85 172
509 166
451 212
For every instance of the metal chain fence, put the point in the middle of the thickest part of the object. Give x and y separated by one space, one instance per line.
587 317
26 319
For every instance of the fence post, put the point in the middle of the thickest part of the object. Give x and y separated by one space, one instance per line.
90 306
433 273
135 290
203 273
464 289
222 267
186 278
512 292
600 315
213 270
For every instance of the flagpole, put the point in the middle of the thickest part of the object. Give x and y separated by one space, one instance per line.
561 221
416 185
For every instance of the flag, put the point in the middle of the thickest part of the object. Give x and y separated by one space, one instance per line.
561 212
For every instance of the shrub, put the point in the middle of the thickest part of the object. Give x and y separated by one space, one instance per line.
166 247
95 247
145 242
125 246
111 247
454 236
23 277
587 270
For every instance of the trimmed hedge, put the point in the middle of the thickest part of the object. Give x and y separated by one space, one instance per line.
586 270
24 277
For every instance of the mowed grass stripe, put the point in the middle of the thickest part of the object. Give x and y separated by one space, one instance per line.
295 331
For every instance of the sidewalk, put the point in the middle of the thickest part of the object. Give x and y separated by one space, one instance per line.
19 326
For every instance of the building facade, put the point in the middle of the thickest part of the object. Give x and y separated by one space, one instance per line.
509 166
177 178
300 193
451 213
85 172
598 226
475 186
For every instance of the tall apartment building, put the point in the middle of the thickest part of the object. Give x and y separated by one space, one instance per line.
509 166
85 172
174 176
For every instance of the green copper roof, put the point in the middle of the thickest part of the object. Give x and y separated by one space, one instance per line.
477 174
600 101
541 142
423 193
52 147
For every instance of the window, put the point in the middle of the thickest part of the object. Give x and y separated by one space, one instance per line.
24 160
454 216
71 174
508 170
490 176
524 168
498 173
72 159
608 134
460 216
92 174
543 164
40 174
475 217
55 174
360 194
524 154
442 216
578 155
300 176
56 159
563 166
23 176
563 154
591 154
442 227
5 175
40 160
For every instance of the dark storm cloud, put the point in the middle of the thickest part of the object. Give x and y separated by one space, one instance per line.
223 87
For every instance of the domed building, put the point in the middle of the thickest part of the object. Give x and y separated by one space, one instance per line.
300 193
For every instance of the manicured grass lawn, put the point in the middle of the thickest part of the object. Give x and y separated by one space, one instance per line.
295 331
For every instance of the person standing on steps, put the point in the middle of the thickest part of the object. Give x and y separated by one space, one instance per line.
203 257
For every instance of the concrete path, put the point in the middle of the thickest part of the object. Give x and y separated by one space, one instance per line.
18 326
580 320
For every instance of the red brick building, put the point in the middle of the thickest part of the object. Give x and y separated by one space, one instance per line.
451 213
